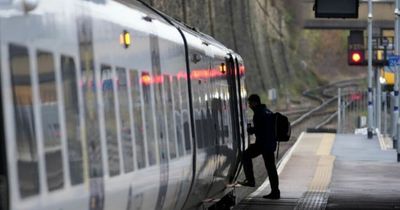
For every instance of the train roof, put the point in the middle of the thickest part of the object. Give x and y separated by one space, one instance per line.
175 22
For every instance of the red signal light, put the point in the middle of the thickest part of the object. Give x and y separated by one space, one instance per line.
356 57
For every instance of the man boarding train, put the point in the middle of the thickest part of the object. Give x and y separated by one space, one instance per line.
265 145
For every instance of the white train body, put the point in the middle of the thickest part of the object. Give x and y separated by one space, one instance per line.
109 106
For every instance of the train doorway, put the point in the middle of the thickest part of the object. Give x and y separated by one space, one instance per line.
232 78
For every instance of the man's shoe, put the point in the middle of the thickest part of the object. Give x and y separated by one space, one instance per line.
273 195
247 183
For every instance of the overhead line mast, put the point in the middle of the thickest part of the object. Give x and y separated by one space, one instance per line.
370 73
395 123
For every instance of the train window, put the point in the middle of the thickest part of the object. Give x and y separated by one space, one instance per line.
125 119
178 116
110 120
199 130
27 156
186 131
50 120
200 117
216 116
209 125
185 113
227 116
148 114
138 119
203 129
71 108
170 117
220 119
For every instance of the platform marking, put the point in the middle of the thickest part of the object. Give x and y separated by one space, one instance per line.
326 144
382 141
316 197
323 173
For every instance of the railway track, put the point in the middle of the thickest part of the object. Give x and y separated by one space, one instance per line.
322 116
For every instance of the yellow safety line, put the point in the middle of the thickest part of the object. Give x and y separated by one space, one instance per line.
326 144
323 173
382 142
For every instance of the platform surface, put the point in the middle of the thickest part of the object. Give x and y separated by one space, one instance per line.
333 171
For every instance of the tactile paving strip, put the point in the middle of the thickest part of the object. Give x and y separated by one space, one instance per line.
317 194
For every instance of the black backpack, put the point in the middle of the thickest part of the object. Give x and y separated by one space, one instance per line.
282 127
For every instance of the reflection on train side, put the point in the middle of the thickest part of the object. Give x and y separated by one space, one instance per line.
28 176
93 125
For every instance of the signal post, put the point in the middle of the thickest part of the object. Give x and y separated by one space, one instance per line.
397 80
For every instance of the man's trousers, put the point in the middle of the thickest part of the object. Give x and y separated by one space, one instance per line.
269 160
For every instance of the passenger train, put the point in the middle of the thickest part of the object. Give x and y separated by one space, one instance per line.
107 105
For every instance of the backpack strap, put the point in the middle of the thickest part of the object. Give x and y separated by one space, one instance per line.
276 136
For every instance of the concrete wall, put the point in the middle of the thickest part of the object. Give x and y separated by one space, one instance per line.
256 29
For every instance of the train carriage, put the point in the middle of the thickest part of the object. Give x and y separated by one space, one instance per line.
108 105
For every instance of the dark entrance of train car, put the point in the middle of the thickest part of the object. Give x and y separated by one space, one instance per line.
234 107
3 161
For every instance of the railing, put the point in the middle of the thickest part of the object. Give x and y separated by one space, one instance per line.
352 110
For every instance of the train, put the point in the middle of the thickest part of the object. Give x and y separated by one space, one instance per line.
109 105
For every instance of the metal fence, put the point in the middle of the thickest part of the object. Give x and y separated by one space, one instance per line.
353 112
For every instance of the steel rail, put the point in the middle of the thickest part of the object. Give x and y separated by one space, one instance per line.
312 111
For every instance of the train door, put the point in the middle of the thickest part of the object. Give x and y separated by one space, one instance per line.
233 103
90 109
241 94
160 123
241 103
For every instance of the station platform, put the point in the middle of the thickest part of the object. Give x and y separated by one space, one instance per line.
334 171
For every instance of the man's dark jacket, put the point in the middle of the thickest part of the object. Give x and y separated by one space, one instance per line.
264 128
